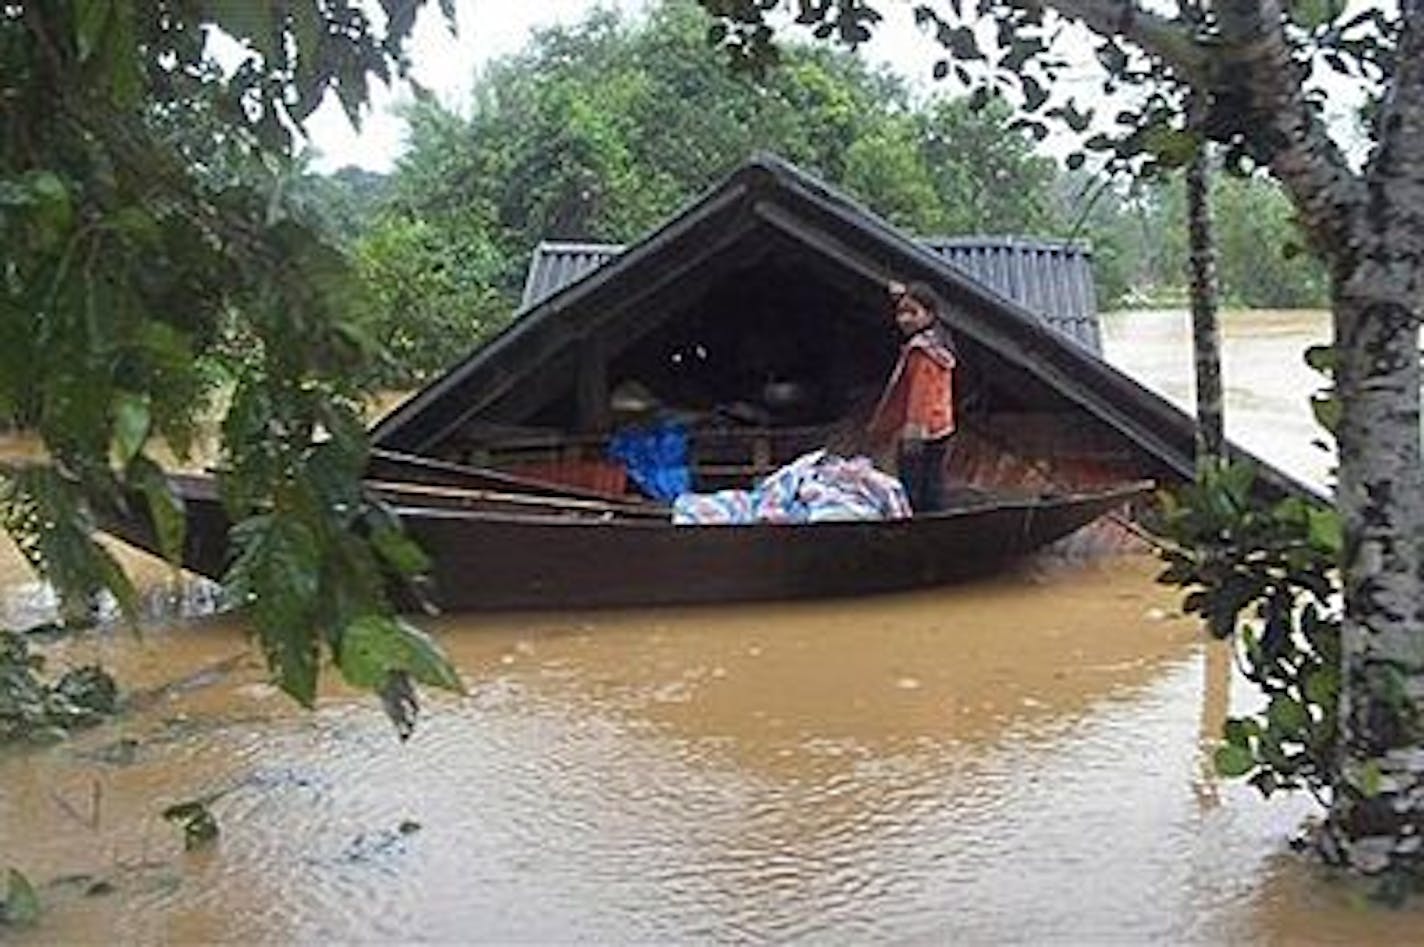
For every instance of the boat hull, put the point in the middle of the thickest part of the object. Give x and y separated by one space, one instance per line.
487 560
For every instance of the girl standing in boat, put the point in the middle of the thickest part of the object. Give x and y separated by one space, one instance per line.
916 410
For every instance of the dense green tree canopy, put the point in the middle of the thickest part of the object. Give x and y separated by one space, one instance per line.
1140 244
602 130
149 259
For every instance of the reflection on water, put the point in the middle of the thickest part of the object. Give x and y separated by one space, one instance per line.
1022 760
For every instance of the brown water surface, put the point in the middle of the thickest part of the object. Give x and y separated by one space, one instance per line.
1020 760
1266 383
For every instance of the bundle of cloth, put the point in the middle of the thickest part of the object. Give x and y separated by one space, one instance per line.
818 487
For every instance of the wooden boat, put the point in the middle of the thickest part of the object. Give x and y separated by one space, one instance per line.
511 551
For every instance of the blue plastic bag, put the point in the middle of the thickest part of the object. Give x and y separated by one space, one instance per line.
656 458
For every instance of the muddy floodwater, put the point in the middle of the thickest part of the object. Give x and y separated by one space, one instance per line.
1265 381
1020 760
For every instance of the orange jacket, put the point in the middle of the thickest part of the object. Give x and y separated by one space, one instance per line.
918 402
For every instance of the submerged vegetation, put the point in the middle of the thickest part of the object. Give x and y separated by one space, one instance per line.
20 907
36 710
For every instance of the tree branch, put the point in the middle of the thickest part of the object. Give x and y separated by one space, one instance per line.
1244 21
1254 87
1171 40
1262 84
1398 159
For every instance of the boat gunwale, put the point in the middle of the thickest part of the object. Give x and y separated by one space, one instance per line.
1025 503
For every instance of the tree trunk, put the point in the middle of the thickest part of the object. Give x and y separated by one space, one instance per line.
1376 822
1206 332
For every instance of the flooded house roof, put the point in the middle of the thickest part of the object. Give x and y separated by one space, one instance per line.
771 232
1051 278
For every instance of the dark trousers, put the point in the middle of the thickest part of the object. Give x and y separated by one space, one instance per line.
922 473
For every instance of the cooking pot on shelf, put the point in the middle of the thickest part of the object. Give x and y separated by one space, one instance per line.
632 397
785 394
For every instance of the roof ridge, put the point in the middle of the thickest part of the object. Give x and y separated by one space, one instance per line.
1011 241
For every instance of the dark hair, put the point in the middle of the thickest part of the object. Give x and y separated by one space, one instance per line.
922 293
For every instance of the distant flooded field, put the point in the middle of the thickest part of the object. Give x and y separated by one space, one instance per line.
1021 760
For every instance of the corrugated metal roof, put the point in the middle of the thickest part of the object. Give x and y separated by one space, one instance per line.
1053 279
555 265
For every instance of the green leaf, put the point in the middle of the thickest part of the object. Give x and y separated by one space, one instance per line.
1076 120
1287 714
91 17
277 574
121 55
117 581
1325 529
165 507
1322 358
246 20
136 226
293 651
1266 782
182 811
132 422
1322 686
400 17
22 905
1370 779
961 43
374 646
1034 94
1238 731
1232 760
1173 147
400 551
1236 481
307 28
53 208
1312 14
1327 411
200 827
